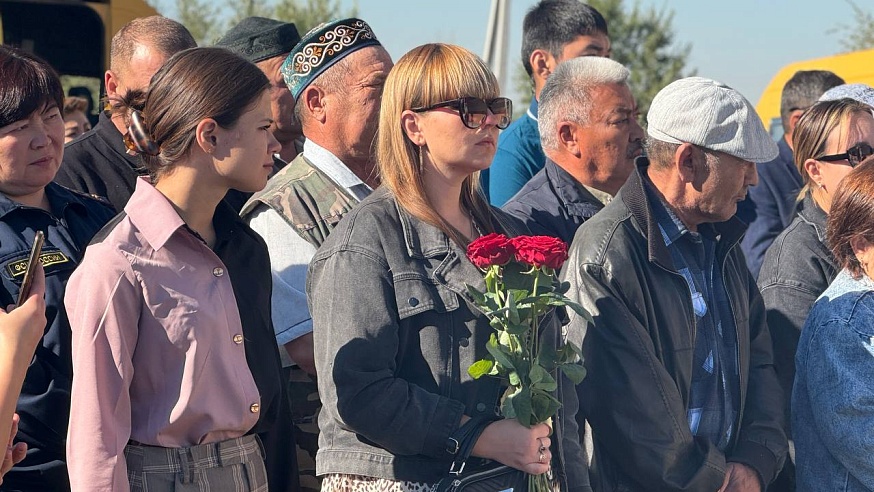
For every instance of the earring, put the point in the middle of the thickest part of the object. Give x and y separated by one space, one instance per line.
421 159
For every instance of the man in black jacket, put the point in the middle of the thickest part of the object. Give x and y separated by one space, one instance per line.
681 392
97 162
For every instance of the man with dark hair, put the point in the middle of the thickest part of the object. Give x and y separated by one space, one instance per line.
770 206
681 392
553 31
97 163
589 131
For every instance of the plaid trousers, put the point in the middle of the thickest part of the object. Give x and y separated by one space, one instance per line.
234 465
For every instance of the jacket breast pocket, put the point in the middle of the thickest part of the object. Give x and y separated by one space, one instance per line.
416 294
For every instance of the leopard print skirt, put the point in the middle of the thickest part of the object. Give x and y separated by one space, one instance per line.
337 482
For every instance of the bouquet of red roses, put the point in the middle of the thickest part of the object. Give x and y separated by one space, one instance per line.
521 286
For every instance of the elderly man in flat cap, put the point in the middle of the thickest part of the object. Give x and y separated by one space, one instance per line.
335 74
681 392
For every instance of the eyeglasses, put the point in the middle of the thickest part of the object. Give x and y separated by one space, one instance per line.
474 111
854 155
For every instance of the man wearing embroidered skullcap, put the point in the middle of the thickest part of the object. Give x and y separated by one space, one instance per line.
266 43
335 74
681 392
98 163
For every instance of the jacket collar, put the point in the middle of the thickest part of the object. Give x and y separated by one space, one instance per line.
60 199
813 215
575 197
635 197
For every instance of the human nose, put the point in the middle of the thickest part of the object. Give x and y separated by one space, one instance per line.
636 130
752 175
41 137
273 145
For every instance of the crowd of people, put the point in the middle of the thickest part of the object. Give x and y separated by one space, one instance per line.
255 278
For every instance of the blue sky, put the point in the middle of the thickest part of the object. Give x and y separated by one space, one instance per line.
740 42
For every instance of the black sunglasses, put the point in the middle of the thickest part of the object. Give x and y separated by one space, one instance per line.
854 155
474 111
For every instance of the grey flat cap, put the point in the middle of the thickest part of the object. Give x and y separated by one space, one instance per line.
712 115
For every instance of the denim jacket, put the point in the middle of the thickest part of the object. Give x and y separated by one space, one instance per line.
395 331
832 409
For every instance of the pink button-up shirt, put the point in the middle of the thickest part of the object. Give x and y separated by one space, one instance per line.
158 355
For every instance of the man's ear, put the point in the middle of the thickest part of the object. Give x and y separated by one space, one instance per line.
313 100
410 124
542 64
686 163
110 82
567 137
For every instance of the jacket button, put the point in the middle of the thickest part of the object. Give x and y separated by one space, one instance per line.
413 302
480 407
238 339
218 271
464 342
255 408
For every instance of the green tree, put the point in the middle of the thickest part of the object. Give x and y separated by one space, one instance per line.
643 40
307 14
201 18
858 34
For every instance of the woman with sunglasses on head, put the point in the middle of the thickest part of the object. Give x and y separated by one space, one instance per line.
176 365
832 411
395 328
830 139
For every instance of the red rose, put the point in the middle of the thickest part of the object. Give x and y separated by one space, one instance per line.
492 249
540 251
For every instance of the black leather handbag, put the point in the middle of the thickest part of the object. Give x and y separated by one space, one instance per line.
469 474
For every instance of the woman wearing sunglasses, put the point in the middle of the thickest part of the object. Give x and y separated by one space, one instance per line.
395 328
176 367
831 138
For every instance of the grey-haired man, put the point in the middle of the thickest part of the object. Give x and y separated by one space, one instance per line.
681 392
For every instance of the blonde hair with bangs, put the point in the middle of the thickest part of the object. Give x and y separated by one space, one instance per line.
427 75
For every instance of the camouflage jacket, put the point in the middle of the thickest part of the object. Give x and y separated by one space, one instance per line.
306 198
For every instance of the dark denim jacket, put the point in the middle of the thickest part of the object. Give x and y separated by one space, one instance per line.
395 331
797 268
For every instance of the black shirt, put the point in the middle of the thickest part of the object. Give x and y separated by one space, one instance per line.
97 163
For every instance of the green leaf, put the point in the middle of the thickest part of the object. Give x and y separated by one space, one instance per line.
516 329
499 352
575 372
546 382
563 288
517 276
543 405
478 296
548 356
537 373
514 379
521 402
512 313
580 310
480 368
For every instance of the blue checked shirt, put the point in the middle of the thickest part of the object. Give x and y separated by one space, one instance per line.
715 389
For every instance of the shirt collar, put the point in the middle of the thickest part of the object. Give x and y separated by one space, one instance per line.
532 109
153 214
332 166
601 196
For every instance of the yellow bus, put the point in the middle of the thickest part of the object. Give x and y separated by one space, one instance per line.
856 67
72 35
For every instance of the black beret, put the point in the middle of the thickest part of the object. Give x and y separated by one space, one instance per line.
259 38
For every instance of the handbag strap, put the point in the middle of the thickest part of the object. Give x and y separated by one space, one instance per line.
467 435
